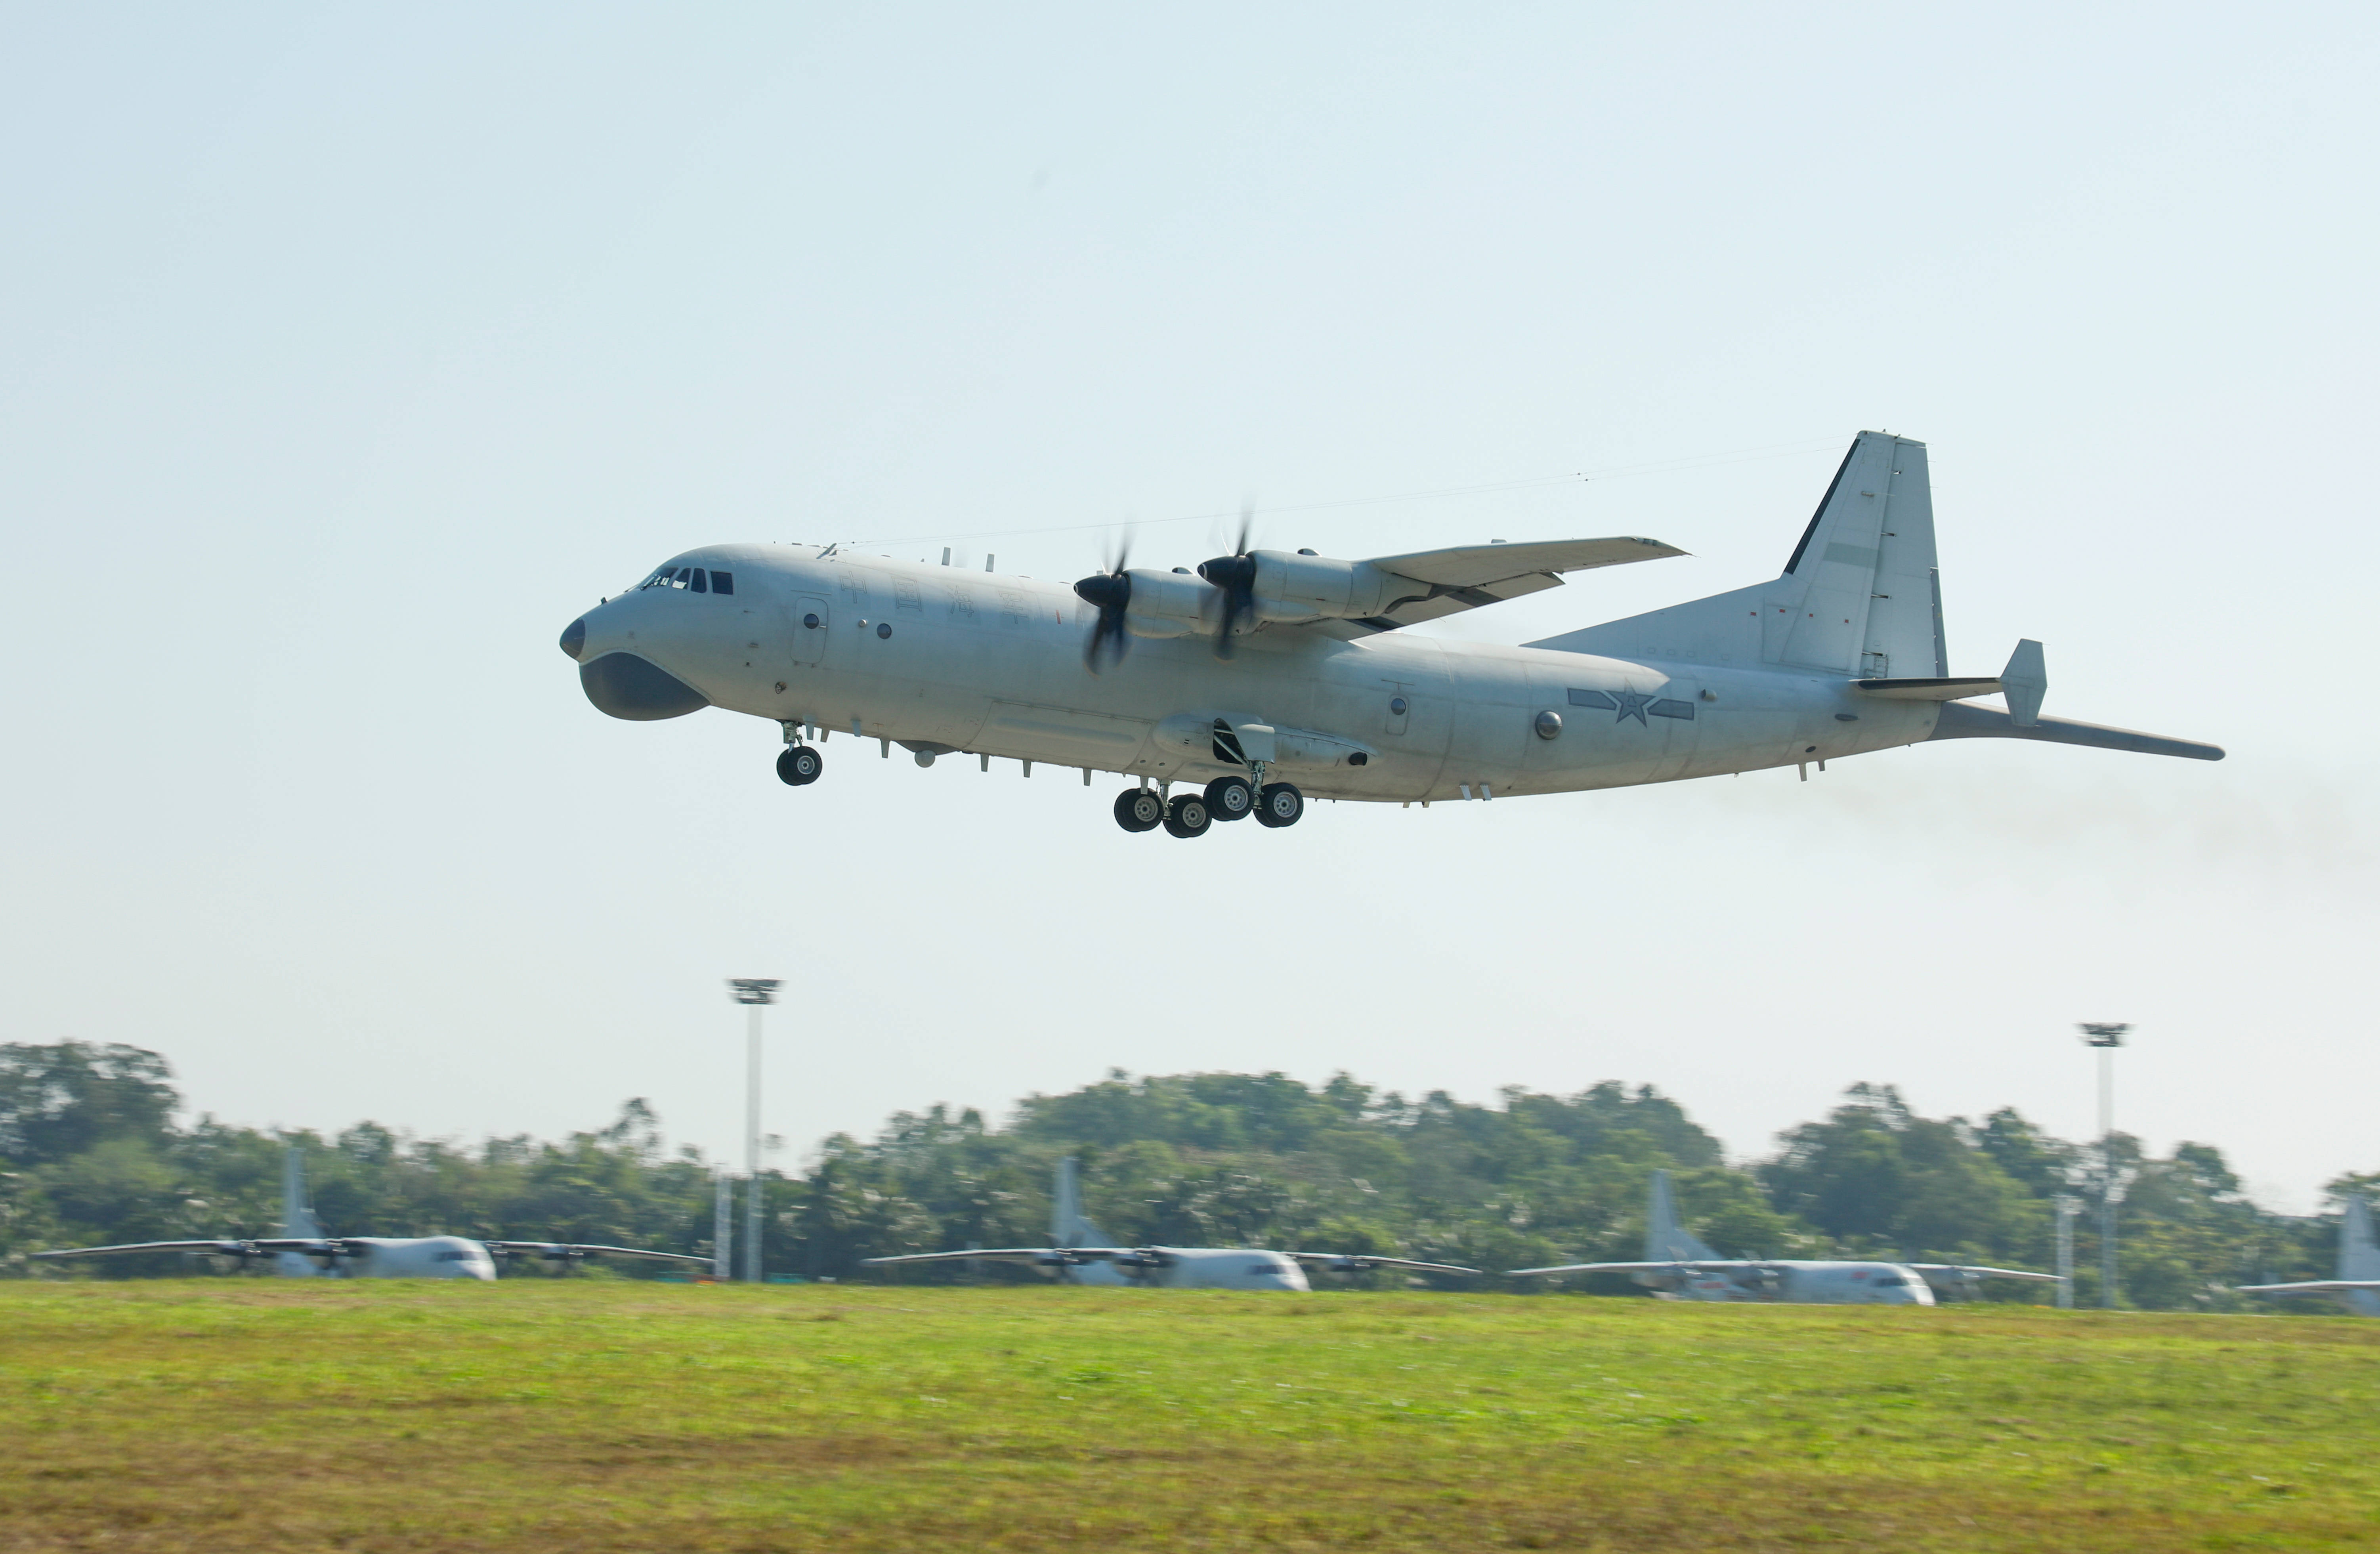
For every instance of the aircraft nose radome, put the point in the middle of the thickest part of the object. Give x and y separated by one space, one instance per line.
574 637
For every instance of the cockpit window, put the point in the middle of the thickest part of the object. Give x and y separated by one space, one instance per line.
694 579
452 1256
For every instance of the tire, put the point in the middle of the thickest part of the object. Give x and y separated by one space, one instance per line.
1188 816
1231 799
1280 804
1139 809
799 766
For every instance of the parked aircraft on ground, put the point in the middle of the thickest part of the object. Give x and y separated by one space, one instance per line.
302 1251
1269 676
1678 1267
2358 1284
1079 1254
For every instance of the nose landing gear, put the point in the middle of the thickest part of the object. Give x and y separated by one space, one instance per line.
799 766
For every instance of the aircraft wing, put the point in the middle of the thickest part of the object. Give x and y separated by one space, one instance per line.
1944 1274
1466 577
1363 1262
565 1250
2303 1287
220 1248
1044 1254
1725 1266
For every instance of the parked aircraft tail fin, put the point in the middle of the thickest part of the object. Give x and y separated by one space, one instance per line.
2359 1260
1067 1226
1861 595
297 1216
1663 1241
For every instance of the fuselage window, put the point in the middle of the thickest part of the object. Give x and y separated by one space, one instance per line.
722 582
1592 699
1672 709
694 580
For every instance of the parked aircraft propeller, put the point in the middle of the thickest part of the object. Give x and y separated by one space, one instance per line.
1109 592
1236 575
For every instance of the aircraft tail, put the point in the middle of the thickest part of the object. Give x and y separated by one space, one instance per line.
1861 596
1067 1226
297 1216
1664 1242
2358 1258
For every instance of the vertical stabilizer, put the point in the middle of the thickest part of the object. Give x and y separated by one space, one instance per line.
2358 1258
1861 596
1663 1241
297 1216
1067 1226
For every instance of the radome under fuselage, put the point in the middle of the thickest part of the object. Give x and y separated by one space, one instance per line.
942 660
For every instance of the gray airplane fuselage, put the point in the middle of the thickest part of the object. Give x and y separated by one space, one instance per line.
940 659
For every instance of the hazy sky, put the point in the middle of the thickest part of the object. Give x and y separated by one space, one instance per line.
347 353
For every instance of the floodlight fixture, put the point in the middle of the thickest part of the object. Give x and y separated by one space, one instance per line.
756 989
2099 1033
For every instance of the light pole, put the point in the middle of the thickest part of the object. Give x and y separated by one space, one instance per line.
756 993
2106 1038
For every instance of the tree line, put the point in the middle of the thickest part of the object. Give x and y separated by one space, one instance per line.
90 1153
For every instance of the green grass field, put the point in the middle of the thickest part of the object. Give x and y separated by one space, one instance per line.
605 1414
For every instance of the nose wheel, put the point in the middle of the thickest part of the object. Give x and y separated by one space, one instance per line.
799 766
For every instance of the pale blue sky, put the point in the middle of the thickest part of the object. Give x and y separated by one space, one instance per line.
350 352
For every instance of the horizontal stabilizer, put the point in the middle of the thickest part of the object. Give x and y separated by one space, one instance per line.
1926 690
1959 721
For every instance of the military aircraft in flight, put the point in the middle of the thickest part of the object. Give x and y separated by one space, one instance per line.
2358 1284
1079 1254
302 1251
1268 677
1678 1266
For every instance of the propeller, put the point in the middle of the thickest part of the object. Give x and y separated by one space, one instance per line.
1109 592
1236 575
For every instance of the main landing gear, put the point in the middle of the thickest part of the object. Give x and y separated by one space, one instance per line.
1194 814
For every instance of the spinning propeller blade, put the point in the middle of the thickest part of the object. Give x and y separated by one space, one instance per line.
1109 592
1236 575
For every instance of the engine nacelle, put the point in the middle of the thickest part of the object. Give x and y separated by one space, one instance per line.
1172 604
1301 587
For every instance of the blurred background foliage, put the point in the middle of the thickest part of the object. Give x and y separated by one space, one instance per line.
90 1153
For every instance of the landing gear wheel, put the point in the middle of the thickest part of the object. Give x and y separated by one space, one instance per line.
1188 816
1231 799
799 766
1280 804
1139 809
